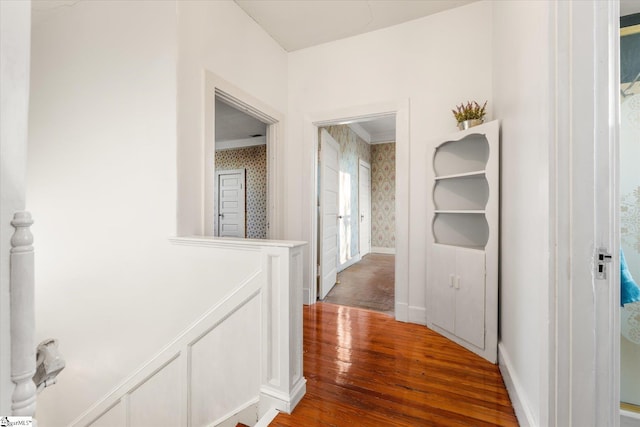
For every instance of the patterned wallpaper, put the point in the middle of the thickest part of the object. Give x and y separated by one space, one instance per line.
383 195
254 160
352 148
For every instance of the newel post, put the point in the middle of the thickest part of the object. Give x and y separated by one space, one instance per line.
282 382
23 348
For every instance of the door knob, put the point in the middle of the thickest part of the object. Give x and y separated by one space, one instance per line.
339 216
362 217
221 215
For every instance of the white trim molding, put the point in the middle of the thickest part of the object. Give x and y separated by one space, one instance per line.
514 388
215 86
381 250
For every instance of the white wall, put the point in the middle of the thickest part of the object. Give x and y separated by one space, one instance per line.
219 37
102 181
521 94
427 61
14 101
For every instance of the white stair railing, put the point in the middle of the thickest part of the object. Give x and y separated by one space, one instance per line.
23 348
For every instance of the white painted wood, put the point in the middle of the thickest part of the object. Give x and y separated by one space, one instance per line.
329 211
157 400
215 86
192 382
217 390
629 419
15 58
515 389
442 294
381 250
266 419
23 321
245 414
585 333
115 416
465 228
230 203
470 292
364 205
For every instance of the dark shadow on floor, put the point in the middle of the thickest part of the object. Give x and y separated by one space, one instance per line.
368 284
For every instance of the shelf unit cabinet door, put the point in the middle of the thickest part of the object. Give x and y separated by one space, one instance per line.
443 295
470 296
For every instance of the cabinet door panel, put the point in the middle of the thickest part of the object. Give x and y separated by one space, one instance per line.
441 273
470 308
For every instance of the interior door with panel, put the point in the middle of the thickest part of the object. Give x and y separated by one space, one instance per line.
364 205
231 203
329 193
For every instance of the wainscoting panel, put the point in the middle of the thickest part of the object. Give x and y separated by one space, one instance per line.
234 345
241 359
116 416
157 401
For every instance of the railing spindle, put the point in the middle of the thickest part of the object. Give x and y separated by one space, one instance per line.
23 348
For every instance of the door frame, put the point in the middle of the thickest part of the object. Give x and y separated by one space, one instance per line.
351 115
243 173
321 223
583 356
215 86
367 165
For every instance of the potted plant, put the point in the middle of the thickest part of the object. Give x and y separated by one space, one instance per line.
469 114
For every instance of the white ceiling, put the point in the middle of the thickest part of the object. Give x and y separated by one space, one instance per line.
235 128
300 24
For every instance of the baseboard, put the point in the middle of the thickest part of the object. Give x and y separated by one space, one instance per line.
402 312
629 419
349 263
266 419
245 414
272 398
417 315
381 250
516 394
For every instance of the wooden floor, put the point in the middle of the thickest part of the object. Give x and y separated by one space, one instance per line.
365 369
368 284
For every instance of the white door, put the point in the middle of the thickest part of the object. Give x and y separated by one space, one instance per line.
470 292
364 204
329 189
442 274
231 203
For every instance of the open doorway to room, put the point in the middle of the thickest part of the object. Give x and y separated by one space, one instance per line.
240 200
356 213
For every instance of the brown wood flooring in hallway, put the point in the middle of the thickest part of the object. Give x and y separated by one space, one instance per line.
367 284
365 369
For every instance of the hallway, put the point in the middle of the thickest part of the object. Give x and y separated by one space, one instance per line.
366 369
367 284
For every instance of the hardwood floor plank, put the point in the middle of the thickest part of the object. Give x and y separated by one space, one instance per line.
365 369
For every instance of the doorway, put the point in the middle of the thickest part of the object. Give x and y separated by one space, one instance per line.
356 212
629 190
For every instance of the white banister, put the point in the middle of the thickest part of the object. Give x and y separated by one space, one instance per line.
23 348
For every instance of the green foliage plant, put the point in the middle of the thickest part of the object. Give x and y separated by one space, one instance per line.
469 111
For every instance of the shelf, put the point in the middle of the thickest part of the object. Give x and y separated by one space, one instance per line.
475 248
471 174
459 211
462 228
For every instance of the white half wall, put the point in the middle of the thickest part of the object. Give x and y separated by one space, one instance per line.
427 62
521 94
